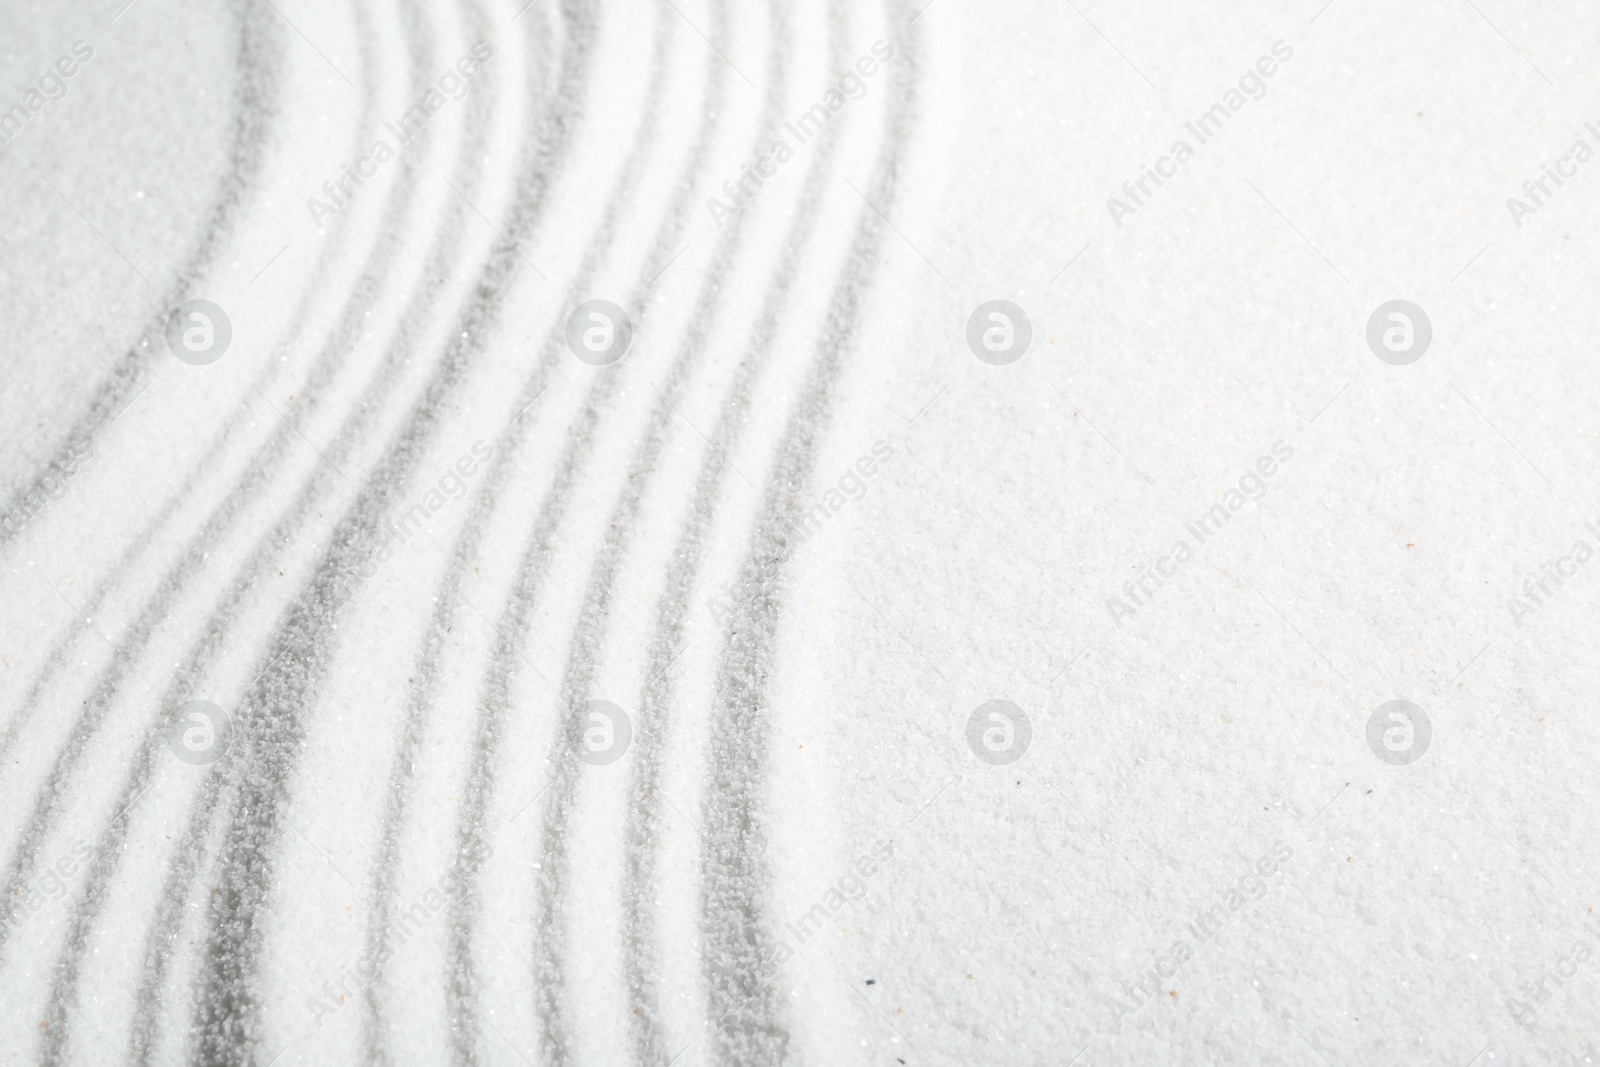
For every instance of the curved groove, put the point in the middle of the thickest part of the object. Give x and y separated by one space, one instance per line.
255 106
420 700
528 583
141 775
164 930
375 1040
259 766
589 633
644 825
331 359
270 455
736 879
25 856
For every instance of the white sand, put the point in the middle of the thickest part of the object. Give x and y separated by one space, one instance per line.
399 534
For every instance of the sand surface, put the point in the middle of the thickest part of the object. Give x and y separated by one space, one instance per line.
799 533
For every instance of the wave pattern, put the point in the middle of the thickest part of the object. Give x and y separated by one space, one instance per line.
432 314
